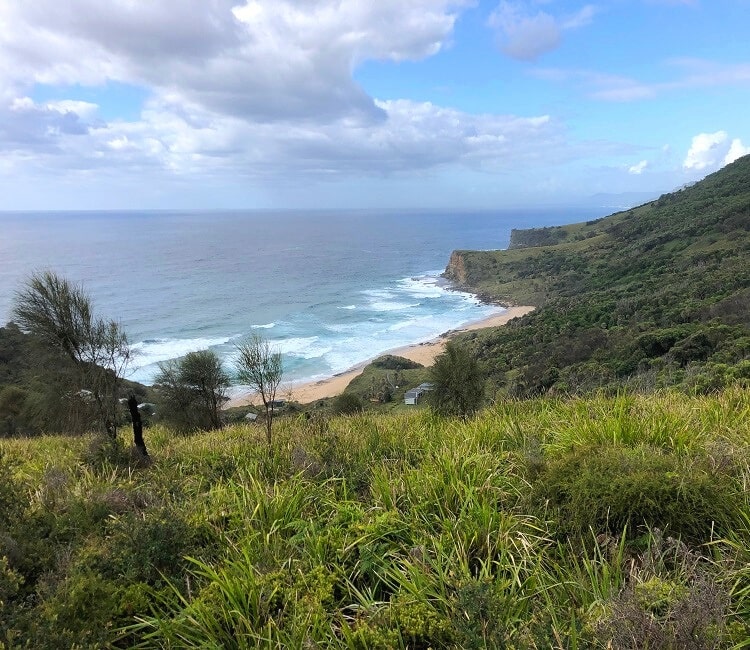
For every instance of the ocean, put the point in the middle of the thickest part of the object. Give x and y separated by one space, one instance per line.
329 288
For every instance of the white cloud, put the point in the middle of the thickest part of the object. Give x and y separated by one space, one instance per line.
582 18
706 150
638 168
264 59
264 89
526 33
524 37
736 150
712 150
185 139
85 110
27 127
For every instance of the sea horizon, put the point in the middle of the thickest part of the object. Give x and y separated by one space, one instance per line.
330 288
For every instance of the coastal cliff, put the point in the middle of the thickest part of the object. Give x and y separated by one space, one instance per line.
523 273
466 270
459 270
496 276
657 295
456 269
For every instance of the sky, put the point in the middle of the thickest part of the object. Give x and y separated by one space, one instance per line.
474 104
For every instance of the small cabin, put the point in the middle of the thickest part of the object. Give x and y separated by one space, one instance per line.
412 397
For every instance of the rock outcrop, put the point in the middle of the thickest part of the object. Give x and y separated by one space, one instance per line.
456 269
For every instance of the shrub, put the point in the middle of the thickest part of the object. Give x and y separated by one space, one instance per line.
458 382
478 615
672 599
146 548
12 399
10 581
348 404
392 362
610 489
403 623
192 390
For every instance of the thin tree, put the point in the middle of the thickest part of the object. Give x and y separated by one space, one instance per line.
260 367
458 382
193 388
60 314
204 371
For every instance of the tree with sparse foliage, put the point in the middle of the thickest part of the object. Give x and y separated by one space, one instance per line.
260 367
458 382
59 313
192 389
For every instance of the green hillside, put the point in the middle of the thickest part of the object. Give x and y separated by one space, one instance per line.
593 523
658 295
35 388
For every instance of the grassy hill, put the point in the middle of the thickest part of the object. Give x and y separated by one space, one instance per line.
601 522
658 295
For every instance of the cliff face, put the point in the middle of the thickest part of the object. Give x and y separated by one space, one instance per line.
456 269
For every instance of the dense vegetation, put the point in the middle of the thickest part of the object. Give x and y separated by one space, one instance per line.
39 388
620 522
654 296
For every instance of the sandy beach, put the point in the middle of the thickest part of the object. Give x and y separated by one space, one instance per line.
423 353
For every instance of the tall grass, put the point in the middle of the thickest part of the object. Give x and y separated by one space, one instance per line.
398 531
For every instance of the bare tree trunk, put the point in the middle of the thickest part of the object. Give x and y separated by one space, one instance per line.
269 421
135 416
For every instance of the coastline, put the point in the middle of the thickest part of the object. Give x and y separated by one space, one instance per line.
424 353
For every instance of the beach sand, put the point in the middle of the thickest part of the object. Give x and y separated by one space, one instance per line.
423 353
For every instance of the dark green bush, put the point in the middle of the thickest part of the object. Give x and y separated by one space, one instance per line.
607 489
478 615
392 362
458 382
348 404
145 549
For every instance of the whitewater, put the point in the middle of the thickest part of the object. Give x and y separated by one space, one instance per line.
329 288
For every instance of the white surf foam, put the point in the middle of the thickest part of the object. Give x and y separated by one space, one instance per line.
303 347
385 306
428 285
147 354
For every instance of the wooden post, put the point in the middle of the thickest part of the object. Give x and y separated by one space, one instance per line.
135 417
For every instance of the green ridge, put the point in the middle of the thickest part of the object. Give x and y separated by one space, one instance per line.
657 295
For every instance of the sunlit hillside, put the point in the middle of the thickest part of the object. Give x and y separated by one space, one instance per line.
650 297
